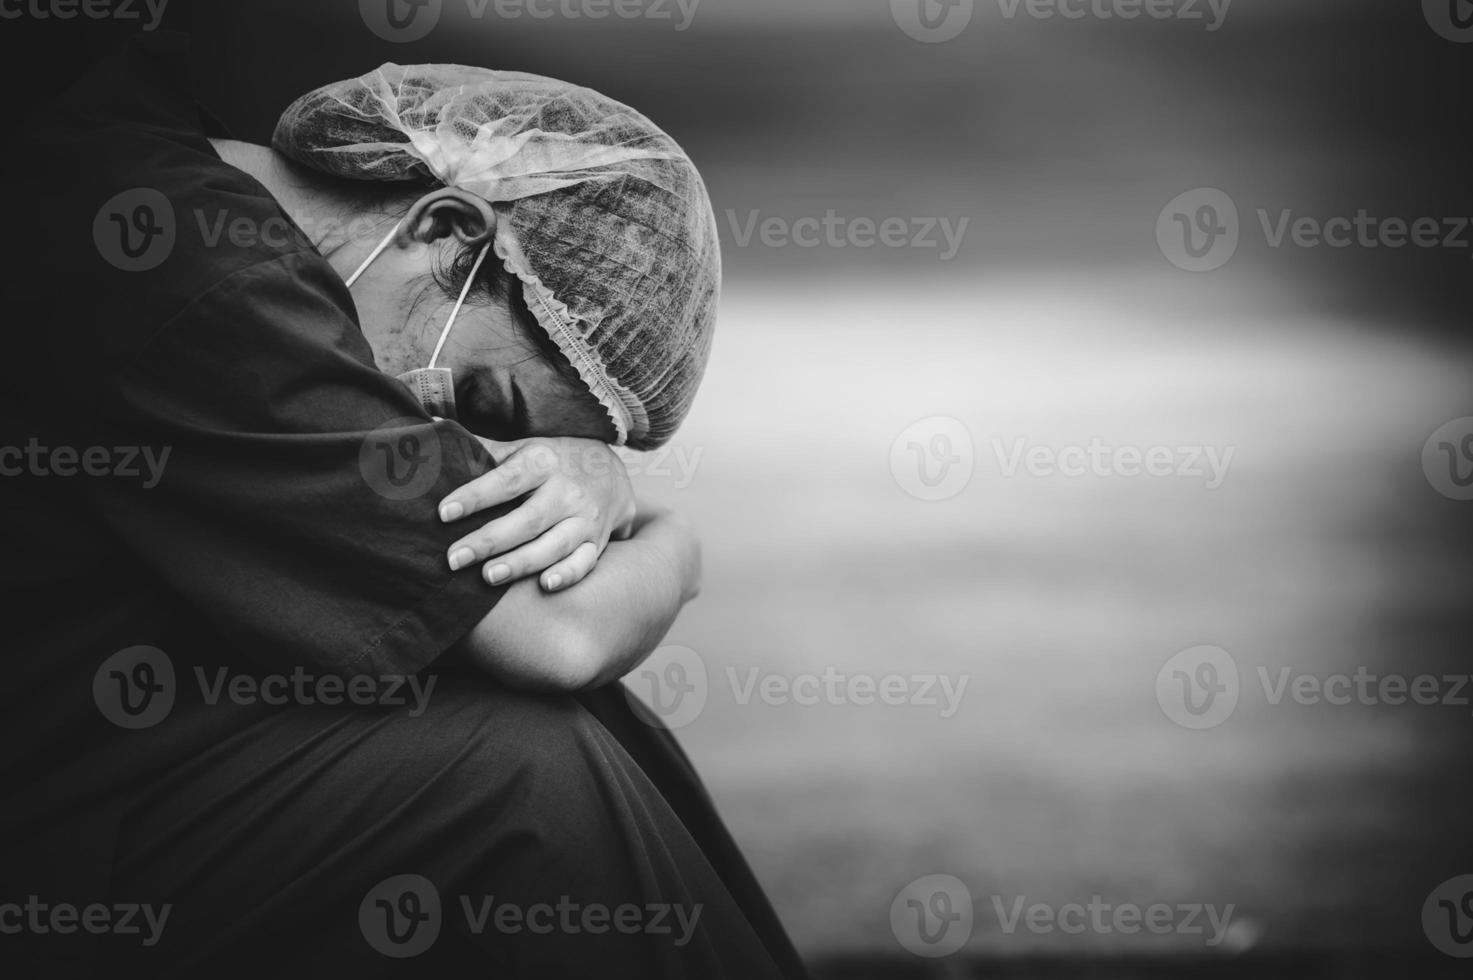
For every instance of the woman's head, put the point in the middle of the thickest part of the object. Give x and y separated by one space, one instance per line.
602 245
511 380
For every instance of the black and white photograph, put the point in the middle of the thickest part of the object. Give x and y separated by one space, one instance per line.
751 489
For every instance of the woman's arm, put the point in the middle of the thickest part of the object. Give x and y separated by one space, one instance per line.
582 638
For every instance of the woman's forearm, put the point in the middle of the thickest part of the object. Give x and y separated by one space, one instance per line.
625 616
604 627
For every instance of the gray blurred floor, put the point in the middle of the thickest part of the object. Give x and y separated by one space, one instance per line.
1061 778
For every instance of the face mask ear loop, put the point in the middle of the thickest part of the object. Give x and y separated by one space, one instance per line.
469 281
379 250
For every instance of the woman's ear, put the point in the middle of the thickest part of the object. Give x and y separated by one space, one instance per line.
447 212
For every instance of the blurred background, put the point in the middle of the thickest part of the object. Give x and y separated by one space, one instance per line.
849 457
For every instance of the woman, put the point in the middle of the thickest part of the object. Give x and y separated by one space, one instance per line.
303 536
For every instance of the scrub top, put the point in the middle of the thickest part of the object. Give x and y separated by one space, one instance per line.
195 458
227 591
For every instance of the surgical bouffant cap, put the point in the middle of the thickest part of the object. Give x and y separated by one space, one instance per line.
602 217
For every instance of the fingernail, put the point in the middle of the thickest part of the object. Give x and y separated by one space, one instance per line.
499 574
554 582
452 511
461 558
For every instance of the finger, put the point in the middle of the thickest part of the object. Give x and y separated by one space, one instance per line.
526 523
524 471
572 569
549 548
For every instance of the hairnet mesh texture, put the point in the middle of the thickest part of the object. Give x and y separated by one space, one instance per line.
602 216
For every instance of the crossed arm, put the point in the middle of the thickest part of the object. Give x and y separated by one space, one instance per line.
579 512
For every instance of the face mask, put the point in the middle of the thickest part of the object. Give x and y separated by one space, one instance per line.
434 387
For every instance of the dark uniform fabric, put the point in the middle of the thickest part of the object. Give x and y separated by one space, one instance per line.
209 467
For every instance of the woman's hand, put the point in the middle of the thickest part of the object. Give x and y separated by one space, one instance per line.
578 498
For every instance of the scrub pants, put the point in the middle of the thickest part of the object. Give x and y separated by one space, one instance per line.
319 841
